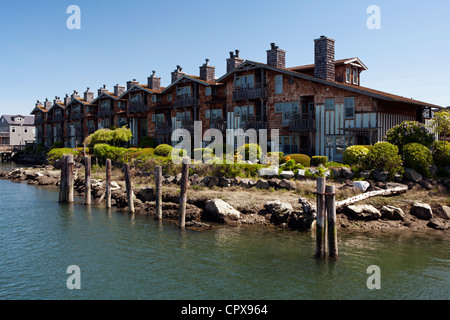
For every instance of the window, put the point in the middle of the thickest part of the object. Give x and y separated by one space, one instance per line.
216 114
159 119
207 91
329 104
104 104
244 82
349 107
348 75
355 75
136 98
279 84
169 97
289 109
13 129
184 91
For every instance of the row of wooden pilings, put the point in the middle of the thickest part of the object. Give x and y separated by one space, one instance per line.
326 229
66 188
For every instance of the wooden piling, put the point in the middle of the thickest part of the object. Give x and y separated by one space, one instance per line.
321 219
62 181
331 219
183 194
158 187
126 170
69 177
87 180
108 183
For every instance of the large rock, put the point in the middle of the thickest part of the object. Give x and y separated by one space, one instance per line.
247 183
380 175
45 180
439 224
412 175
392 213
363 212
287 184
268 172
443 212
347 173
220 211
361 185
422 211
262 184
277 206
146 194
287 174
224 182
301 173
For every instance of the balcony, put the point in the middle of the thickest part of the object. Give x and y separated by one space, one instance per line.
256 123
302 122
218 124
162 129
135 107
105 112
76 116
58 118
79 132
246 93
183 101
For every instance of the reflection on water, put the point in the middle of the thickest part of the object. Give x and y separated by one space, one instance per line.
121 257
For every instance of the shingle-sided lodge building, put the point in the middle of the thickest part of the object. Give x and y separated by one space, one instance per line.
319 109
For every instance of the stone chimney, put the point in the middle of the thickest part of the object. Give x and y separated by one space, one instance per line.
131 83
47 104
324 67
276 57
75 94
207 72
39 104
102 90
118 90
67 99
177 74
153 82
88 96
233 61
57 100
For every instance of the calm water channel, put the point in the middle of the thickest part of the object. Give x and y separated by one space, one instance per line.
124 258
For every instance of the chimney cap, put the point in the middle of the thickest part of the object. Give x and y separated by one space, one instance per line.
237 53
206 62
153 72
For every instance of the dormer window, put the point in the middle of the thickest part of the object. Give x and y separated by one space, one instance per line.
348 75
355 76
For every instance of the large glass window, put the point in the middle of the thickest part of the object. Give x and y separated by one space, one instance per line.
349 107
279 84
244 82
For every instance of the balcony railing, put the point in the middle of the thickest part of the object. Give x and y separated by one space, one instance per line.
218 124
4 134
76 116
105 112
256 123
182 101
162 129
137 107
302 122
246 93
58 118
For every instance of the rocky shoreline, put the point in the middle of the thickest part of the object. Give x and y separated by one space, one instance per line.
276 208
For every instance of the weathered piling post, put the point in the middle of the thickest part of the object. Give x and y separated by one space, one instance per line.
158 187
108 183
69 177
321 219
63 182
126 170
87 180
183 193
331 219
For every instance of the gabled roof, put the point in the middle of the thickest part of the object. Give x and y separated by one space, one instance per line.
78 99
27 120
193 78
57 104
40 108
142 87
345 86
352 61
106 95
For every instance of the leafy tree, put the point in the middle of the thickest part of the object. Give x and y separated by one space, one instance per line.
442 122
114 137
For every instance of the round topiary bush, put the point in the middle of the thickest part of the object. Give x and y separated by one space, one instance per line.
384 156
299 158
417 157
355 155
163 150
319 160
409 132
441 153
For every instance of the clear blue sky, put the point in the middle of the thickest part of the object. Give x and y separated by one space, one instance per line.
121 40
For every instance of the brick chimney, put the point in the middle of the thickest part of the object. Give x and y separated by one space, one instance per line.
177 74
153 82
67 99
324 67
75 94
233 61
276 57
207 72
118 90
57 100
102 90
39 104
88 96
47 104
131 83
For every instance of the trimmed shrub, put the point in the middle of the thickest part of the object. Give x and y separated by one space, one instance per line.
409 132
249 151
302 159
384 156
441 153
417 157
148 142
355 154
57 153
318 160
206 153
163 150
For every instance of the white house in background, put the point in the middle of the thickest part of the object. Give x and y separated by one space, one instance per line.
17 130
